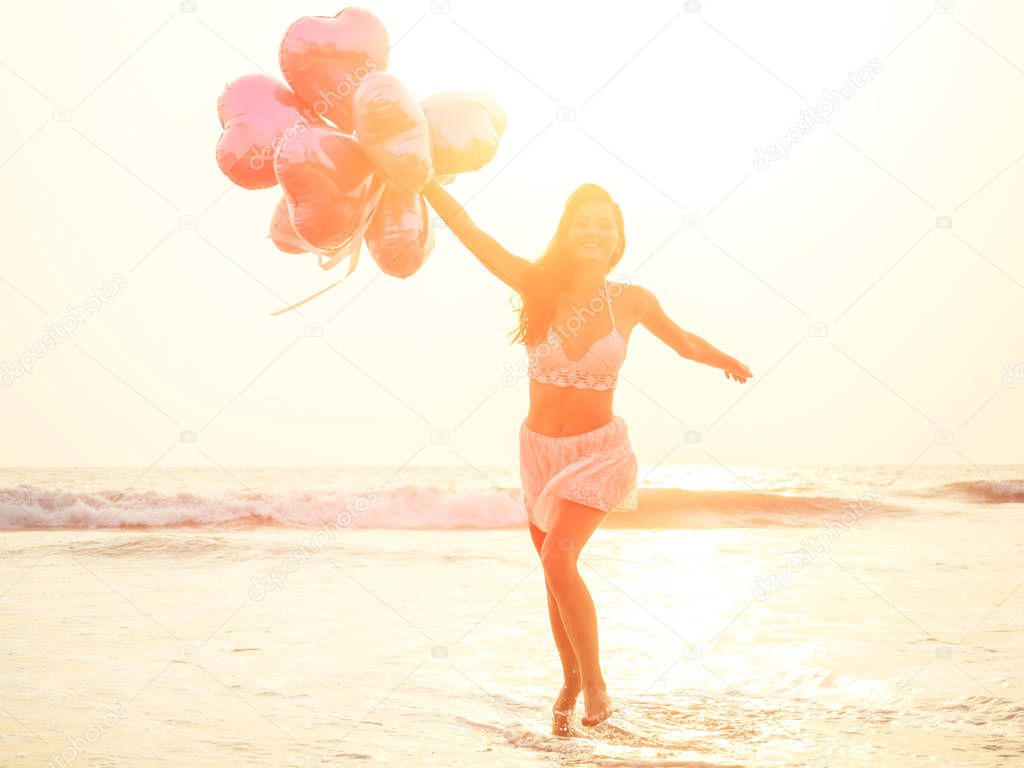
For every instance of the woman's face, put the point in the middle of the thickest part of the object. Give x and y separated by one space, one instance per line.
592 233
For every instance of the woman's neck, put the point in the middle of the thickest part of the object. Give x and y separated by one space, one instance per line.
584 286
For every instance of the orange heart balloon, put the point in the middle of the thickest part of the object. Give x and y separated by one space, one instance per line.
393 131
283 233
400 236
327 183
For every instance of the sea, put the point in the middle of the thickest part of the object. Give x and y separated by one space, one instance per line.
868 615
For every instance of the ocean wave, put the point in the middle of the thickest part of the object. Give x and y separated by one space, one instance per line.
409 506
984 491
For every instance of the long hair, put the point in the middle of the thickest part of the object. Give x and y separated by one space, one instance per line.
540 295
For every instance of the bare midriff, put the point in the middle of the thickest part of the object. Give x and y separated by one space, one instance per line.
563 411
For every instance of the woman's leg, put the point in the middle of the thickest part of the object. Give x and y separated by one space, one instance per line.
570 667
571 528
566 701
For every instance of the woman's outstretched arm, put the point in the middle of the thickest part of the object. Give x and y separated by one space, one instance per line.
686 344
512 270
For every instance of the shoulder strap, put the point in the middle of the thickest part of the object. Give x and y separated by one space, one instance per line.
608 296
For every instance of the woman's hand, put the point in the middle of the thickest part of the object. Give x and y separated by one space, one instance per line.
737 371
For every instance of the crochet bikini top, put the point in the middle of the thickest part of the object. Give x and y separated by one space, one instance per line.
597 369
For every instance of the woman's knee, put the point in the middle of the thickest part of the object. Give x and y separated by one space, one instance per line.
558 557
572 526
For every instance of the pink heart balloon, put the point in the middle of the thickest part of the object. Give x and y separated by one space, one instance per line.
324 59
256 113
327 183
400 236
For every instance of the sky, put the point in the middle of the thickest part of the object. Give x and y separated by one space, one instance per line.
867 268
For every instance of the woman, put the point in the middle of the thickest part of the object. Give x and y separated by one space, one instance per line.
576 460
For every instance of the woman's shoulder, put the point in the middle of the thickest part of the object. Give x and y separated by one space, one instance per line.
634 300
629 291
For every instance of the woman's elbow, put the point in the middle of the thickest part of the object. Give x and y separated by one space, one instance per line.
689 346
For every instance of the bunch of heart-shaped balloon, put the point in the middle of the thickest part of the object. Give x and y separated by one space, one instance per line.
349 145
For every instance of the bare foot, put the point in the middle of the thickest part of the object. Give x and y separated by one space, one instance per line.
561 713
598 705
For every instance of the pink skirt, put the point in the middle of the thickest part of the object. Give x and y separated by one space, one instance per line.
596 468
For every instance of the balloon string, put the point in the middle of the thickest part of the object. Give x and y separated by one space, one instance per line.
338 255
347 251
352 266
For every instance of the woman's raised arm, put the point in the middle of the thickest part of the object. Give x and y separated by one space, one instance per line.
510 269
686 344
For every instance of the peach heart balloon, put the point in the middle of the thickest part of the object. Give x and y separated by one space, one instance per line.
465 129
324 59
400 236
255 112
393 131
497 112
327 183
283 233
